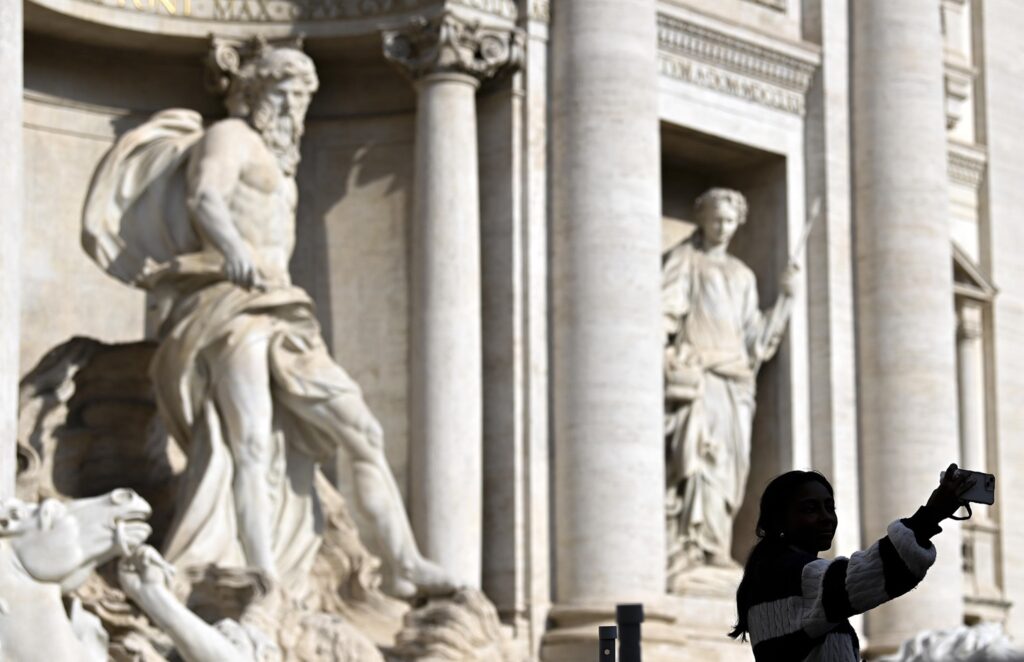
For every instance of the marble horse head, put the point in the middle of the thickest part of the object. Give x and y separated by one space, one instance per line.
61 543
48 549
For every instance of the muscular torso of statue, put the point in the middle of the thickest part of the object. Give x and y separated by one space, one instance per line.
263 210
262 207
243 200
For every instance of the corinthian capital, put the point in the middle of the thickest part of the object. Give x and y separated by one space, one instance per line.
969 321
449 43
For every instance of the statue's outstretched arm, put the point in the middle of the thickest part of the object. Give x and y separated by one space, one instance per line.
144 577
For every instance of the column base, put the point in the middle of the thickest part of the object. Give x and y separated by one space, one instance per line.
689 628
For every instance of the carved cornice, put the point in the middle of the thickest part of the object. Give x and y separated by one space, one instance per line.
503 8
959 83
267 11
777 5
731 65
966 166
318 18
449 43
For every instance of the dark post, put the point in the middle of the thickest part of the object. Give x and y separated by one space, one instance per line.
607 634
629 618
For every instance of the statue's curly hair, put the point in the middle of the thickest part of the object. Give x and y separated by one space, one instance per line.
727 195
240 71
270 66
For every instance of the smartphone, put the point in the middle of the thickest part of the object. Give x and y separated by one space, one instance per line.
983 490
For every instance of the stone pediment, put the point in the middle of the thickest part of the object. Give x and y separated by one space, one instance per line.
968 278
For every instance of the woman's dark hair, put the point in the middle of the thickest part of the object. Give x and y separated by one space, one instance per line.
770 522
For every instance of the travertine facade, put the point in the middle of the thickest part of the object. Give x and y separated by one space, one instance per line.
485 193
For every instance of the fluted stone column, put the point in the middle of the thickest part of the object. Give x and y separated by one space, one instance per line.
447 58
11 192
906 357
971 381
605 263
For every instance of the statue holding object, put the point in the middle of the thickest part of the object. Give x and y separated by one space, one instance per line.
715 339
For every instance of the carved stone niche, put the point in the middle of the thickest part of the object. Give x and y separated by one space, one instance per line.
692 163
701 598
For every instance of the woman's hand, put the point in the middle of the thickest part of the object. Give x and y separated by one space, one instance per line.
945 499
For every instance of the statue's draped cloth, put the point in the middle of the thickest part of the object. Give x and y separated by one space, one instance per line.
137 227
714 328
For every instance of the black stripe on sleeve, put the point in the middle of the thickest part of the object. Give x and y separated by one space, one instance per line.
925 525
834 599
790 647
898 578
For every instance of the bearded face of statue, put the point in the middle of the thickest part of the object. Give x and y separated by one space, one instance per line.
279 115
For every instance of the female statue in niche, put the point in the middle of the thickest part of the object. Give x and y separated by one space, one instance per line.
715 339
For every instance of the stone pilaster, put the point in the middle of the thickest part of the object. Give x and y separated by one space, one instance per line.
11 192
447 58
609 459
971 381
983 597
906 354
1000 52
830 291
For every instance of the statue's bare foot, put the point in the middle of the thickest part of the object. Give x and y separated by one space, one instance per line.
421 578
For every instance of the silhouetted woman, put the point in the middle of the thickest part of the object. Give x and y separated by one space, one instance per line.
795 606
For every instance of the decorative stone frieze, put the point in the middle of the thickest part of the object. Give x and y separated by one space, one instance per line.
724 63
287 11
966 165
452 44
269 11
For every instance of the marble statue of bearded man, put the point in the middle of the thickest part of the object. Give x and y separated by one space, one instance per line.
716 338
204 219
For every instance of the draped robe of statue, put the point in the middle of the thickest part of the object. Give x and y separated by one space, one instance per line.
137 227
716 338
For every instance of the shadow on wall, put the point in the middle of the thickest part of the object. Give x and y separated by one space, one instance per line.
329 172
